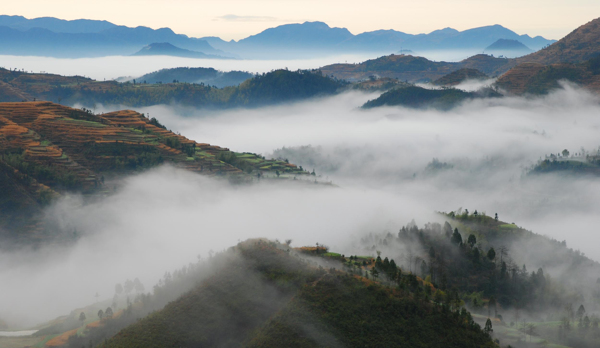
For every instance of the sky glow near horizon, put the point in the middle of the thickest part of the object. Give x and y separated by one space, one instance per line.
237 19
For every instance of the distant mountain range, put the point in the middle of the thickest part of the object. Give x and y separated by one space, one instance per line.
54 37
86 38
310 37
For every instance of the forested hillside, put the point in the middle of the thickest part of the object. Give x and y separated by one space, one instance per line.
530 284
419 97
275 87
265 295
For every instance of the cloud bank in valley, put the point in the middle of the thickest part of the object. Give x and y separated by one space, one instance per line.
162 219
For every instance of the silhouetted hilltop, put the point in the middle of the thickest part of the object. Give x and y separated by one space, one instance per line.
166 49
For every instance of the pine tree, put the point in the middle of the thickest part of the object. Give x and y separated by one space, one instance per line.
456 237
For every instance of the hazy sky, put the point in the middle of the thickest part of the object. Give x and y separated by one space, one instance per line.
235 19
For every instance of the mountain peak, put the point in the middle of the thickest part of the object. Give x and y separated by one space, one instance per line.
580 45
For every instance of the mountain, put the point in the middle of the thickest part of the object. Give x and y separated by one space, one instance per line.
55 25
308 35
275 87
580 45
574 58
166 49
54 37
476 38
456 77
415 69
208 76
265 294
47 149
318 38
533 78
508 48
114 40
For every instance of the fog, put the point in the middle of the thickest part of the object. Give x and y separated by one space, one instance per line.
162 219
108 68
114 67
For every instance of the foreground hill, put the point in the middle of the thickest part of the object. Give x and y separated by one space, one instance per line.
415 69
275 87
264 295
48 148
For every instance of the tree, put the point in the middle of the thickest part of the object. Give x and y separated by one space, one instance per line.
128 286
100 314
447 229
82 317
472 240
374 273
456 237
108 312
580 312
138 286
488 327
492 304
491 254
565 153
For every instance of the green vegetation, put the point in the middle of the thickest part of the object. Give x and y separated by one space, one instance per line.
263 295
55 176
418 97
480 261
274 87
205 76
460 75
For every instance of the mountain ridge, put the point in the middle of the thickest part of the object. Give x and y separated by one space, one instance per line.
91 38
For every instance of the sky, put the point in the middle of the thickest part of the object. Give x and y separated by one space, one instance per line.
236 19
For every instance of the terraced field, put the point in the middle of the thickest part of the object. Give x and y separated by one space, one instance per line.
47 148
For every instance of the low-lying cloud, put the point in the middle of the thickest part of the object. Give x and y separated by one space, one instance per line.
164 218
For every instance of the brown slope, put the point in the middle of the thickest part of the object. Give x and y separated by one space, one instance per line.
533 78
580 45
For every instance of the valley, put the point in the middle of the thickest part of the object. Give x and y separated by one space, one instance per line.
307 183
